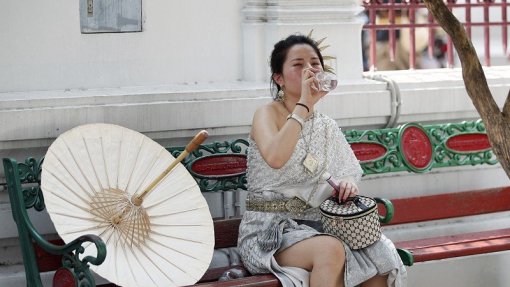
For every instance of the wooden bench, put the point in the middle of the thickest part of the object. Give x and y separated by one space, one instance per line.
220 166
445 206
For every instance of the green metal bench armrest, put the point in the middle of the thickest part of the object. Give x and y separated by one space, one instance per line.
406 256
74 247
388 206
71 254
27 232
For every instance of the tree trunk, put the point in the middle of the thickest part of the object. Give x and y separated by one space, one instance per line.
497 123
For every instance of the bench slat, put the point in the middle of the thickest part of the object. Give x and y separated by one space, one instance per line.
45 260
266 280
225 232
449 205
458 245
213 274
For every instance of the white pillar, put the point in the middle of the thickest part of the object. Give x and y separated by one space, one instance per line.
254 50
266 22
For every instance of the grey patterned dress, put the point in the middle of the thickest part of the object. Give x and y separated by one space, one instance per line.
262 234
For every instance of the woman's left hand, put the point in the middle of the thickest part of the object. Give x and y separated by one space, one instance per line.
347 189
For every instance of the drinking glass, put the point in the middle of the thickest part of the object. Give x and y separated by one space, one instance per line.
327 81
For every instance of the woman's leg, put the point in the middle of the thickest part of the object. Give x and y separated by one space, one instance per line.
376 281
323 256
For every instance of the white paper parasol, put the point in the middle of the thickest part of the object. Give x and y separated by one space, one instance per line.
93 178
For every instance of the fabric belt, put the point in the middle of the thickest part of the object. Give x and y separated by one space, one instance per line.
294 205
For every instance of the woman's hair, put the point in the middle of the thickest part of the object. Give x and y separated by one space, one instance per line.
279 55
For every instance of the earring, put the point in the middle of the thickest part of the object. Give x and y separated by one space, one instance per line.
280 96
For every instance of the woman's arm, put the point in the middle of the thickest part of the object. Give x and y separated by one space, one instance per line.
351 171
349 160
276 137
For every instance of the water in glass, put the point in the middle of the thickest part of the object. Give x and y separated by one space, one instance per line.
327 81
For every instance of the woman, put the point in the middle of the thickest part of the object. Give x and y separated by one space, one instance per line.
291 147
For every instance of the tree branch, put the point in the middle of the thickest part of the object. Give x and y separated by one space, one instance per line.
506 107
497 124
472 72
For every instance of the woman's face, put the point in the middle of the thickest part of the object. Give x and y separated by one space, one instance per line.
299 57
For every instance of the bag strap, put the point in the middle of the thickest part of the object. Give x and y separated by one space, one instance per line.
355 199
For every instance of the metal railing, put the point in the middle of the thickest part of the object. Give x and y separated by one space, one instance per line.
391 28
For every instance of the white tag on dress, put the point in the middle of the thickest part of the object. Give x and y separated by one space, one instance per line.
310 163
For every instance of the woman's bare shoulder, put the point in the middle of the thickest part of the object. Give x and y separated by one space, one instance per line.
268 117
270 109
272 114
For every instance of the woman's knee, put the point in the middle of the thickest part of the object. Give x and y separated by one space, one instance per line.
330 251
325 251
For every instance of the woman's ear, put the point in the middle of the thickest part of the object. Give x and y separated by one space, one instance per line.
278 78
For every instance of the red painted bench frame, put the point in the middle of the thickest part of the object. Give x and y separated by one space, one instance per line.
466 244
452 205
449 205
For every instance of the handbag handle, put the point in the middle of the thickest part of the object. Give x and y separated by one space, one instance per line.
354 199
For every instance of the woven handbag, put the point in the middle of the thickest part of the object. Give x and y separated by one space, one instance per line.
355 221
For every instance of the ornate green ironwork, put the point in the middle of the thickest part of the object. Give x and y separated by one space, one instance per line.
238 146
30 173
72 261
444 157
22 198
394 161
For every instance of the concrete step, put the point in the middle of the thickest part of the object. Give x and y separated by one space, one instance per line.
468 271
14 276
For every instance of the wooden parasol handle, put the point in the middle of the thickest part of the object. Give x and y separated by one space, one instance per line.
193 144
196 141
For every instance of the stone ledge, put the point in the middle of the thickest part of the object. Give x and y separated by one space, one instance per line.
158 110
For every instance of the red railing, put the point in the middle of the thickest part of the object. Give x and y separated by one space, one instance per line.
390 20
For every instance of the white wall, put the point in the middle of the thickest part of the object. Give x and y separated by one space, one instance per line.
188 41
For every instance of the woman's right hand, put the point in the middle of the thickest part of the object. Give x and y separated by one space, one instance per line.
310 93
345 190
